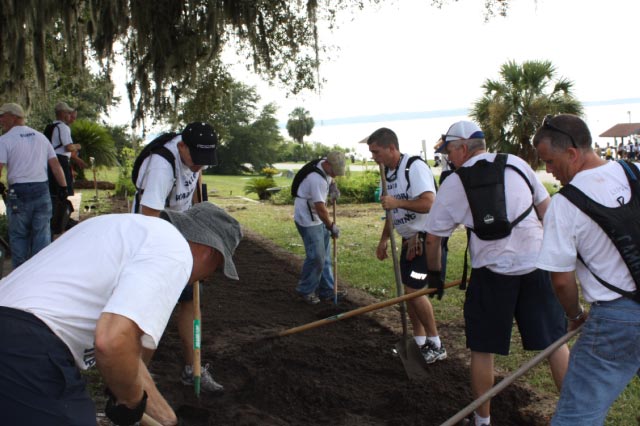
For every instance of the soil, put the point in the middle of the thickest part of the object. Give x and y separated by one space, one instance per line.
343 373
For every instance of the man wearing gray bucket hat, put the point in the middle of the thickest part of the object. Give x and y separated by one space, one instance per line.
117 300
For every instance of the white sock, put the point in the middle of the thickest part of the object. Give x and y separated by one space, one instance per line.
420 340
435 340
482 420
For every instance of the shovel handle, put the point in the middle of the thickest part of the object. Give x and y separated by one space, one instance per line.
361 310
512 378
394 254
147 420
335 260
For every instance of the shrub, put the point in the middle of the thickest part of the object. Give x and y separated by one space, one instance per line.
269 172
259 186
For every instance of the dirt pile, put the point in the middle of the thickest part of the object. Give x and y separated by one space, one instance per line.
344 373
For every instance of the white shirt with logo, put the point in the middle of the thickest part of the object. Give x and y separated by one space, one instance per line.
568 231
155 178
61 137
126 264
407 222
313 189
26 153
513 255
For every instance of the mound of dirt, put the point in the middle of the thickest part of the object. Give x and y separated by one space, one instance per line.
344 373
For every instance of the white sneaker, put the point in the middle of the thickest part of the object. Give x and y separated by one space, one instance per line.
207 384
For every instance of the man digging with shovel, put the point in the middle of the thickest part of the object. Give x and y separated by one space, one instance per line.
115 302
409 203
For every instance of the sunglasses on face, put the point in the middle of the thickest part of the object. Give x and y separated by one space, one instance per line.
546 122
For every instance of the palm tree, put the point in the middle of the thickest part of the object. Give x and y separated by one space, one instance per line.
97 143
513 107
300 124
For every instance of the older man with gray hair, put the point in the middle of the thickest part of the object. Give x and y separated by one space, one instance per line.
27 153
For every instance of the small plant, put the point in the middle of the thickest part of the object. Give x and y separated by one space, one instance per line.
269 172
259 186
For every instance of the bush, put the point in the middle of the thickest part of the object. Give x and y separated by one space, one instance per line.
269 172
259 186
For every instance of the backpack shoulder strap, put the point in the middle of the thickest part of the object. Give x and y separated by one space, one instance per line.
410 161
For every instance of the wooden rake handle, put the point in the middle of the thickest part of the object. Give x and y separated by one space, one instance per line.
362 310
147 420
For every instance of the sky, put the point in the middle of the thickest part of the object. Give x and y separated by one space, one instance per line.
416 69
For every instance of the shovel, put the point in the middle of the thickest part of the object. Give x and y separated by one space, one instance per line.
335 260
407 349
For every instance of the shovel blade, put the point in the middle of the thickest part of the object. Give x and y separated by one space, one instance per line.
414 363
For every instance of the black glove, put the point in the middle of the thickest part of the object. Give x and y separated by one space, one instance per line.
120 414
62 193
434 280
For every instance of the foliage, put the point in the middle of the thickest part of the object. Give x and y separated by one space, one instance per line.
358 188
269 171
259 186
96 143
300 124
513 107
124 185
245 135
166 44
291 151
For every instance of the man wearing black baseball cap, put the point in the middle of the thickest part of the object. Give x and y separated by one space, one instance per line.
167 180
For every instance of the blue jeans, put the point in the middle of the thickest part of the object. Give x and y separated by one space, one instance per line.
603 361
317 276
29 214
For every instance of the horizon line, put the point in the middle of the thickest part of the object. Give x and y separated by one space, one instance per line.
415 115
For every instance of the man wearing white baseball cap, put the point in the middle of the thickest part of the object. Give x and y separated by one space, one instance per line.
501 202
26 153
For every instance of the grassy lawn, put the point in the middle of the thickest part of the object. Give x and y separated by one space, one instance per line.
361 226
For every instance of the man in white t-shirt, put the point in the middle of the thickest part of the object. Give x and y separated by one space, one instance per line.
315 226
117 298
504 283
27 153
171 185
576 248
409 202
62 141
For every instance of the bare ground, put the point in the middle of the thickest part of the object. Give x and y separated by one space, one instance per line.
344 373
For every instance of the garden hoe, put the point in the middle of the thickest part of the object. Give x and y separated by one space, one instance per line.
414 363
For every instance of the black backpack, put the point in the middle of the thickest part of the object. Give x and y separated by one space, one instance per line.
621 225
48 132
484 185
305 171
156 146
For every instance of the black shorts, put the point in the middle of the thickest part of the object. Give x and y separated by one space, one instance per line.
414 272
492 301
39 381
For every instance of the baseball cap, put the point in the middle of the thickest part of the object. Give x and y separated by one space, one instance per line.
462 130
337 162
208 224
12 108
63 107
202 142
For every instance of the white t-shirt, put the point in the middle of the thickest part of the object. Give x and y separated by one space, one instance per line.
26 153
313 189
155 177
513 255
131 265
61 137
568 231
408 222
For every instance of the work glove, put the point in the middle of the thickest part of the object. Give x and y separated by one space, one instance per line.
414 245
334 192
62 193
335 231
120 414
434 280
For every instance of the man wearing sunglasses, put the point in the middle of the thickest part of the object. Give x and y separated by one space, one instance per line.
505 283
607 355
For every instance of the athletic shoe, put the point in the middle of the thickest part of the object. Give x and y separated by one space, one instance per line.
207 384
431 353
310 299
341 295
470 421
